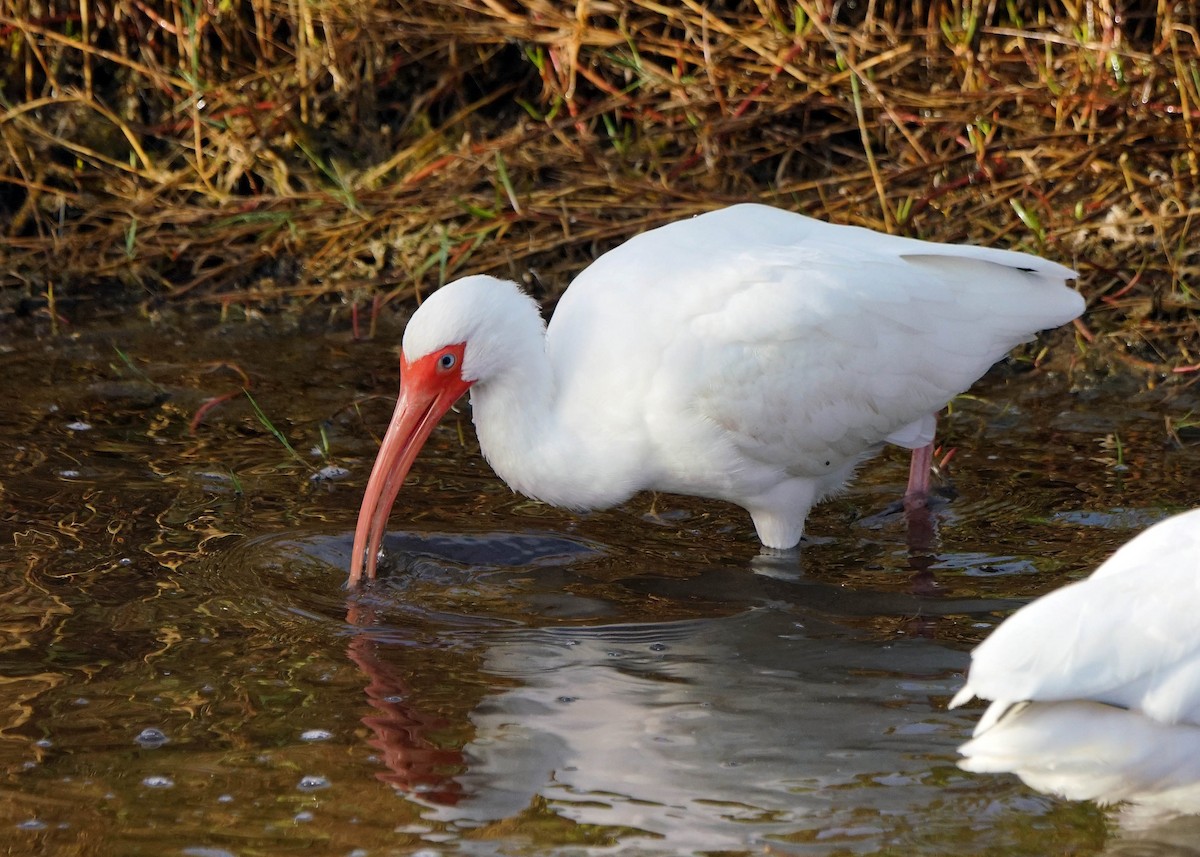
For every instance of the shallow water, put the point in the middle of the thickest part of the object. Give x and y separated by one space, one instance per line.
184 672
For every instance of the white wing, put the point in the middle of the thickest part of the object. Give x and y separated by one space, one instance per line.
1124 636
770 338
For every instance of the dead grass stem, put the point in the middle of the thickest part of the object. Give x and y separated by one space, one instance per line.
264 151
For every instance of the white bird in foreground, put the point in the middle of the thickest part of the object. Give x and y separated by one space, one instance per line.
1125 636
748 354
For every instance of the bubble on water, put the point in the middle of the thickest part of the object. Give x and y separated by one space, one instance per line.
316 735
205 851
82 700
312 783
151 738
225 799
69 474
658 647
158 781
43 743
31 824
125 561
303 816
79 425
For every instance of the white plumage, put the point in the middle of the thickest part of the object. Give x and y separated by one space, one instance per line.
1125 636
748 354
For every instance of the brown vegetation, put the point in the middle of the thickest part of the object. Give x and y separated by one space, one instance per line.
260 150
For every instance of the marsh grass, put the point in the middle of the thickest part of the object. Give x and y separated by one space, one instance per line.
263 152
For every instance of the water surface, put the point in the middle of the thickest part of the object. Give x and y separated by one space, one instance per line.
184 672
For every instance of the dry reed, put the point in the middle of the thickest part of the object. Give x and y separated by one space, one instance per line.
263 151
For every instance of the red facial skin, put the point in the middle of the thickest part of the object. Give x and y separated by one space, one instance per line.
428 388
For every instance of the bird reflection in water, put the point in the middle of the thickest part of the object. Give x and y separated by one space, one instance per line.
415 763
669 734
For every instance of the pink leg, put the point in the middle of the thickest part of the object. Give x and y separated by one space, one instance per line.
921 534
918 475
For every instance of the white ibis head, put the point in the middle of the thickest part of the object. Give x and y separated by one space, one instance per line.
464 333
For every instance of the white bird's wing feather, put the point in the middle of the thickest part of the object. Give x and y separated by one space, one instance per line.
1125 636
803 343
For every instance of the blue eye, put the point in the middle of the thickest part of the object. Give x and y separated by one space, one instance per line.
446 362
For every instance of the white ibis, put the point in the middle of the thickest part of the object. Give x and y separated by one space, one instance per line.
1125 636
748 354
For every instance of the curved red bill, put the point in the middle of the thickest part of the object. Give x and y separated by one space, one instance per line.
428 388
